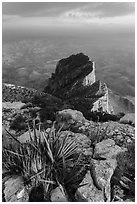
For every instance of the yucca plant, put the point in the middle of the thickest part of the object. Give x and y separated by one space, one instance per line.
44 160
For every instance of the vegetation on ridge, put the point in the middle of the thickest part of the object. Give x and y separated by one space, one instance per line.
44 162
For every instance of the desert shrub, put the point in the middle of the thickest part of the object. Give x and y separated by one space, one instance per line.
46 114
49 106
18 123
124 175
101 116
98 134
44 162
126 161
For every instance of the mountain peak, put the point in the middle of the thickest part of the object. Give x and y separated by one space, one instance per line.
74 81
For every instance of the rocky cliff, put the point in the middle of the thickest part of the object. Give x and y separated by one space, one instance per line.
74 81
71 73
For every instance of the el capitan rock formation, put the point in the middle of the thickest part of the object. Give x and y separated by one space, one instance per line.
74 81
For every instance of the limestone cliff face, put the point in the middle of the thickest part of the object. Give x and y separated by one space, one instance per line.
74 80
91 77
103 102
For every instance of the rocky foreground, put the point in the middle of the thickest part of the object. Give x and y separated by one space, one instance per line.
79 106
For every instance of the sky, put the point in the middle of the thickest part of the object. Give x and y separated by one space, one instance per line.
42 15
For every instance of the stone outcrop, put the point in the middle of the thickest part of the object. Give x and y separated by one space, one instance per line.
96 185
70 74
103 102
102 156
89 192
122 134
57 195
107 150
69 118
74 81
101 172
14 190
104 164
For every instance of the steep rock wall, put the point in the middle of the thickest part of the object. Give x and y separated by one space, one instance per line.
71 73
103 104
75 80
91 77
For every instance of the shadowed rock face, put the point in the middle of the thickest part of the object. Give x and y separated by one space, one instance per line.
74 82
71 73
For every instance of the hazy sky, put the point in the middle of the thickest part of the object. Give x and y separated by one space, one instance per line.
58 14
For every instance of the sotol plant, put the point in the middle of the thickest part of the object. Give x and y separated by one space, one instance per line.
44 161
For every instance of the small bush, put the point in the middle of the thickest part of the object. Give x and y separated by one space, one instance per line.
98 134
125 172
101 116
18 123
126 162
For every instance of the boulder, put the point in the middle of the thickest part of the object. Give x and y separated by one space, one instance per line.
58 195
107 149
15 105
69 118
14 190
89 192
101 172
